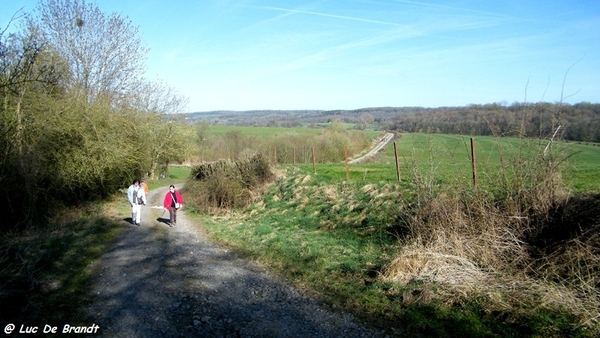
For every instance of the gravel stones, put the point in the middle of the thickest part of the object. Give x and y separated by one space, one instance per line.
161 281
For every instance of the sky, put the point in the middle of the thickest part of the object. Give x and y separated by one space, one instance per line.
352 54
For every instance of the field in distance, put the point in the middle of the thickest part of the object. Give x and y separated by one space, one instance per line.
447 158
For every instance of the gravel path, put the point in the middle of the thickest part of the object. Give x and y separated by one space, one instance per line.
382 143
161 281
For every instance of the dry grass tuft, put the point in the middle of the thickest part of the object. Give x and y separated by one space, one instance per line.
470 228
330 193
369 188
421 264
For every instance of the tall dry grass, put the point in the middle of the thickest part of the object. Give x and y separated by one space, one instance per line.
522 241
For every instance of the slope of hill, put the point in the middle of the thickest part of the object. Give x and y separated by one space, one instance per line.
579 122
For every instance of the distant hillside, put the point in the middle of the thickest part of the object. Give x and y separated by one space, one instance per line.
282 118
578 122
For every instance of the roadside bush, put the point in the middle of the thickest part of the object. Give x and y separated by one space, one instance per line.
228 184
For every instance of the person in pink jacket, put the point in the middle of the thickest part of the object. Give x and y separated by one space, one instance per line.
172 202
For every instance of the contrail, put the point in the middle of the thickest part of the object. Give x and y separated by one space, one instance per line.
293 11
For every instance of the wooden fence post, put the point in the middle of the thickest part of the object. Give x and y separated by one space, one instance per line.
346 157
314 160
473 163
397 161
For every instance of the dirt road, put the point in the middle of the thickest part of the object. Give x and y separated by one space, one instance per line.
384 141
161 281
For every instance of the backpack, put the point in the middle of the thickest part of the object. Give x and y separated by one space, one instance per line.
136 199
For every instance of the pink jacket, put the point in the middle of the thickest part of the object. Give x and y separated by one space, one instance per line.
169 199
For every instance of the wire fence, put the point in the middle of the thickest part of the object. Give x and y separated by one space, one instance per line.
310 155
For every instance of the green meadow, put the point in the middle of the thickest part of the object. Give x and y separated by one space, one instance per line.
447 159
261 131
218 130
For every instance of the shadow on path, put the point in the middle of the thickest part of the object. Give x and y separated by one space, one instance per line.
160 281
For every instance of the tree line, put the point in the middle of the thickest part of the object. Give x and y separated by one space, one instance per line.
78 119
579 122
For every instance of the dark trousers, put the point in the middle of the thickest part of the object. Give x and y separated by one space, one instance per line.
173 214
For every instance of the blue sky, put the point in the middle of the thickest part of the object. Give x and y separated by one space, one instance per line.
246 55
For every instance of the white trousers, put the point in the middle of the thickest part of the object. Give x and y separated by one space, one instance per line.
136 213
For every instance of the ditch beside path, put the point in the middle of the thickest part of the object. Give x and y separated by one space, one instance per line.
161 281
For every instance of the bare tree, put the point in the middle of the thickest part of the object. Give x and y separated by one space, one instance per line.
366 120
104 54
161 132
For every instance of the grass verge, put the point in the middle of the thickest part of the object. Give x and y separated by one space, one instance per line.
46 271
442 265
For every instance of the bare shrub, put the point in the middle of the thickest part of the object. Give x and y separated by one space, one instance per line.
469 227
254 171
227 184
329 146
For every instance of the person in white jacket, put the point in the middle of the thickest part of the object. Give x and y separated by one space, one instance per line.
136 197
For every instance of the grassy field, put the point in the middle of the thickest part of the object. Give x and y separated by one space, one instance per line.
333 238
262 131
176 174
447 159
274 131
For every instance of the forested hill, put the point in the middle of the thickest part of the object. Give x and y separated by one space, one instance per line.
579 122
